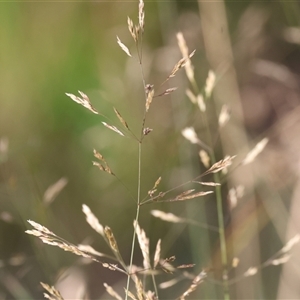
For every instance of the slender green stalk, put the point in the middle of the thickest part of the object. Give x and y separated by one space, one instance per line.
222 237
136 218
220 214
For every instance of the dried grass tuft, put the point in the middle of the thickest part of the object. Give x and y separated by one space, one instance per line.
189 68
132 29
123 47
50 238
210 83
84 101
150 94
224 116
144 244
157 253
204 157
187 195
112 292
105 167
54 294
113 128
141 15
53 190
92 220
220 165
190 134
168 217
180 64
291 243
196 282
191 96
124 123
112 241
154 189
255 151
251 271
201 103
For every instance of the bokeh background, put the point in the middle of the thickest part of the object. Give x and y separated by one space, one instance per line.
50 48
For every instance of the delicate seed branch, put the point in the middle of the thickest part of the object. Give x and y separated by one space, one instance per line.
84 101
123 47
101 167
113 128
124 123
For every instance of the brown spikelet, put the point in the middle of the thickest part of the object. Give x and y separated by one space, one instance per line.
54 294
251 271
291 243
101 168
210 83
166 265
208 183
112 292
191 96
167 92
204 157
130 295
224 116
84 101
131 29
105 167
281 260
169 283
48 237
91 250
123 47
157 253
111 239
147 130
185 193
169 259
197 280
53 190
139 288
189 69
99 155
113 128
92 220
168 217
235 262
180 64
124 123
191 196
234 194
259 147
154 189
190 134
150 94
141 15
220 165
187 266
201 103
144 244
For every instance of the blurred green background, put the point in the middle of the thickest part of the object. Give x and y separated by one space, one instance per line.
50 48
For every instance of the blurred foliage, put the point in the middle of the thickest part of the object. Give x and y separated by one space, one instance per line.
48 49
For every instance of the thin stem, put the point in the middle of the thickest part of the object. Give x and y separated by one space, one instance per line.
136 218
222 237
